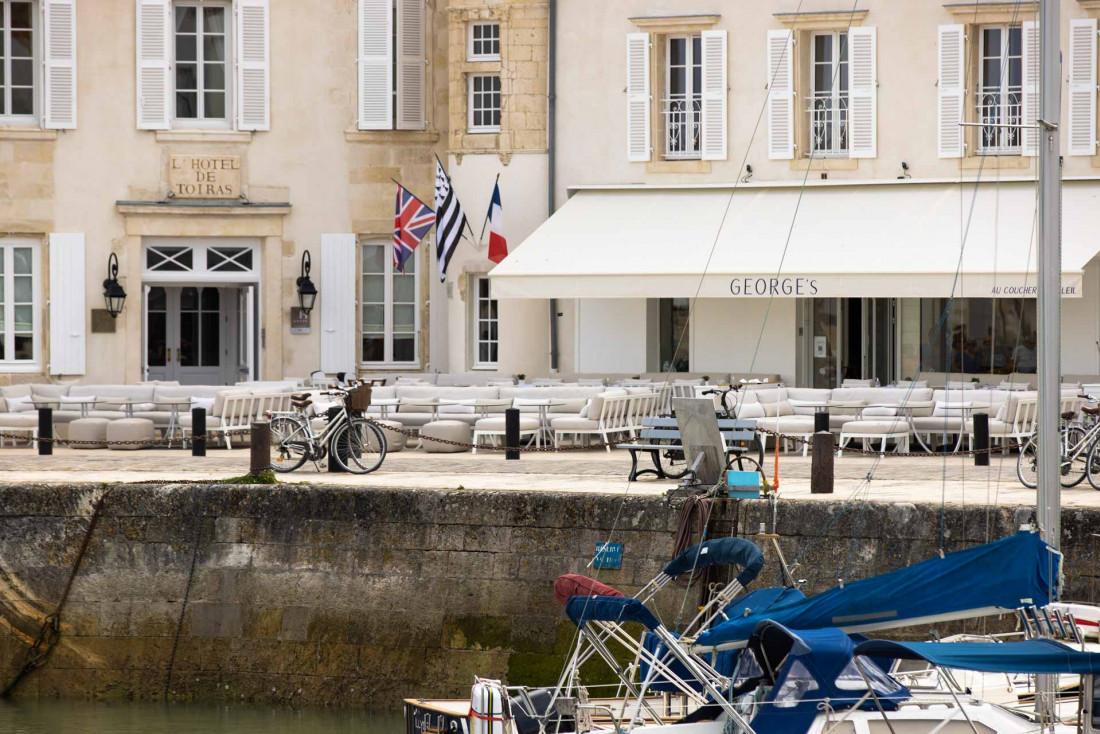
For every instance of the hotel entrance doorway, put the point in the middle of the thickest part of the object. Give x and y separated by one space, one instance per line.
852 338
195 334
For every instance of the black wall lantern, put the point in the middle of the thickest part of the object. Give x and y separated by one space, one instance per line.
307 292
113 293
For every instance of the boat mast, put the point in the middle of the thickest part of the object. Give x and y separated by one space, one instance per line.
1049 248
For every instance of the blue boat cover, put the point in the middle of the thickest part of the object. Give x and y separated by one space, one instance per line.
583 609
821 655
1026 656
1005 574
721 552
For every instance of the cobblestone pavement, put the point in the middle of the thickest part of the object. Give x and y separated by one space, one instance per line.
953 479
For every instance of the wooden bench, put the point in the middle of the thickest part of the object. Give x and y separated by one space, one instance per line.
662 434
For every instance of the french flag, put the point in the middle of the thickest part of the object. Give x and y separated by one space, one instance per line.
498 245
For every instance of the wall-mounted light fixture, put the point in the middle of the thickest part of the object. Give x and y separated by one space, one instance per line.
307 292
113 292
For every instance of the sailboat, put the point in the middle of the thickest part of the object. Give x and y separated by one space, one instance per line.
776 661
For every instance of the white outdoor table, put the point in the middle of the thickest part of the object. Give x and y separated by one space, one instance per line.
544 405
906 410
481 405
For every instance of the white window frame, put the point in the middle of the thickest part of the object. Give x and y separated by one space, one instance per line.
9 363
34 119
201 122
694 150
1003 89
471 54
470 104
837 100
476 322
387 307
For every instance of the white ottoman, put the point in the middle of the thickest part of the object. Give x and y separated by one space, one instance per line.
870 430
495 427
395 440
447 430
89 429
130 429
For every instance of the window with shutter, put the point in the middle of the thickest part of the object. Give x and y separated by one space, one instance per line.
780 81
337 289
60 64
253 85
714 103
375 64
863 93
20 304
1030 75
200 72
682 106
637 97
410 65
1082 86
951 91
153 83
1000 89
390 300
830 94
19 33
67 305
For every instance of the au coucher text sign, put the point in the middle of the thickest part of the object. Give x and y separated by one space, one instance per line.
204 176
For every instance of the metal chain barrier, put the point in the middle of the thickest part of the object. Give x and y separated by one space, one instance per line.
412 433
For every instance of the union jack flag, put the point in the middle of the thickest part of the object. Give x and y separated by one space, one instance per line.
411 223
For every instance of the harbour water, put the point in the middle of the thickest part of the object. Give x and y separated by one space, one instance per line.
57 717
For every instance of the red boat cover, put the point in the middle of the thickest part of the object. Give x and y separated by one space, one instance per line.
573 584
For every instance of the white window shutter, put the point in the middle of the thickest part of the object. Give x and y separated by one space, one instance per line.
863 93
67 304
153 74
60 64
637 97
1082 86
375 59
952 91
410 65
253 64
714 96
1031 88
780 83
338 303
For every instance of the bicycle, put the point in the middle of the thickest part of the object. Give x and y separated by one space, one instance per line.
356 444
1079 449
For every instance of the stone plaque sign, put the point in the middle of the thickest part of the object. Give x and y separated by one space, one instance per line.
102 321
299 320
204 176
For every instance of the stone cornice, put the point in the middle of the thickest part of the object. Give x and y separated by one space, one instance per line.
822 19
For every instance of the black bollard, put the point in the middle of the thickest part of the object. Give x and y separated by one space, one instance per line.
821 463
45 431
821 421
260 445
981 439
511 434
198 431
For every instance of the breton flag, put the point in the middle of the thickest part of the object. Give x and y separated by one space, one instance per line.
411 223
498 245
450 220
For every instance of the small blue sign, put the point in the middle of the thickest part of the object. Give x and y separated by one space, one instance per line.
608 555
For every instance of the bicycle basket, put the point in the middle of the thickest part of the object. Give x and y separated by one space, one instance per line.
359 398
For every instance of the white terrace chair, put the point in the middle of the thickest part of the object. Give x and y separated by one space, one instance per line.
1017 425
1014 386
619 415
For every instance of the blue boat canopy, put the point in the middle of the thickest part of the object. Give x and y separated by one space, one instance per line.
1016 571
720 552
617 609
1026 656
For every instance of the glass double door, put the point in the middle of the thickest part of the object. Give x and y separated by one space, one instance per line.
188 334
852 338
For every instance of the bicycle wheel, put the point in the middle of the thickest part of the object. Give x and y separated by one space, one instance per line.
290 444
1074 464
1027 468
1092 470
358 446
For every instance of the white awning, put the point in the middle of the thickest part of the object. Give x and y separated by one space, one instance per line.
888 240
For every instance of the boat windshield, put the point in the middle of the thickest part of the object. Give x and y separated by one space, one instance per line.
850 679
747 667
796 685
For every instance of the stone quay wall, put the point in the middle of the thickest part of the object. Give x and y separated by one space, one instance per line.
351 597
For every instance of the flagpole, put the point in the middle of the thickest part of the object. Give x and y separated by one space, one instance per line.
490 212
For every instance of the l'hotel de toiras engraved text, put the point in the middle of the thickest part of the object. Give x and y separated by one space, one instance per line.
204 176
